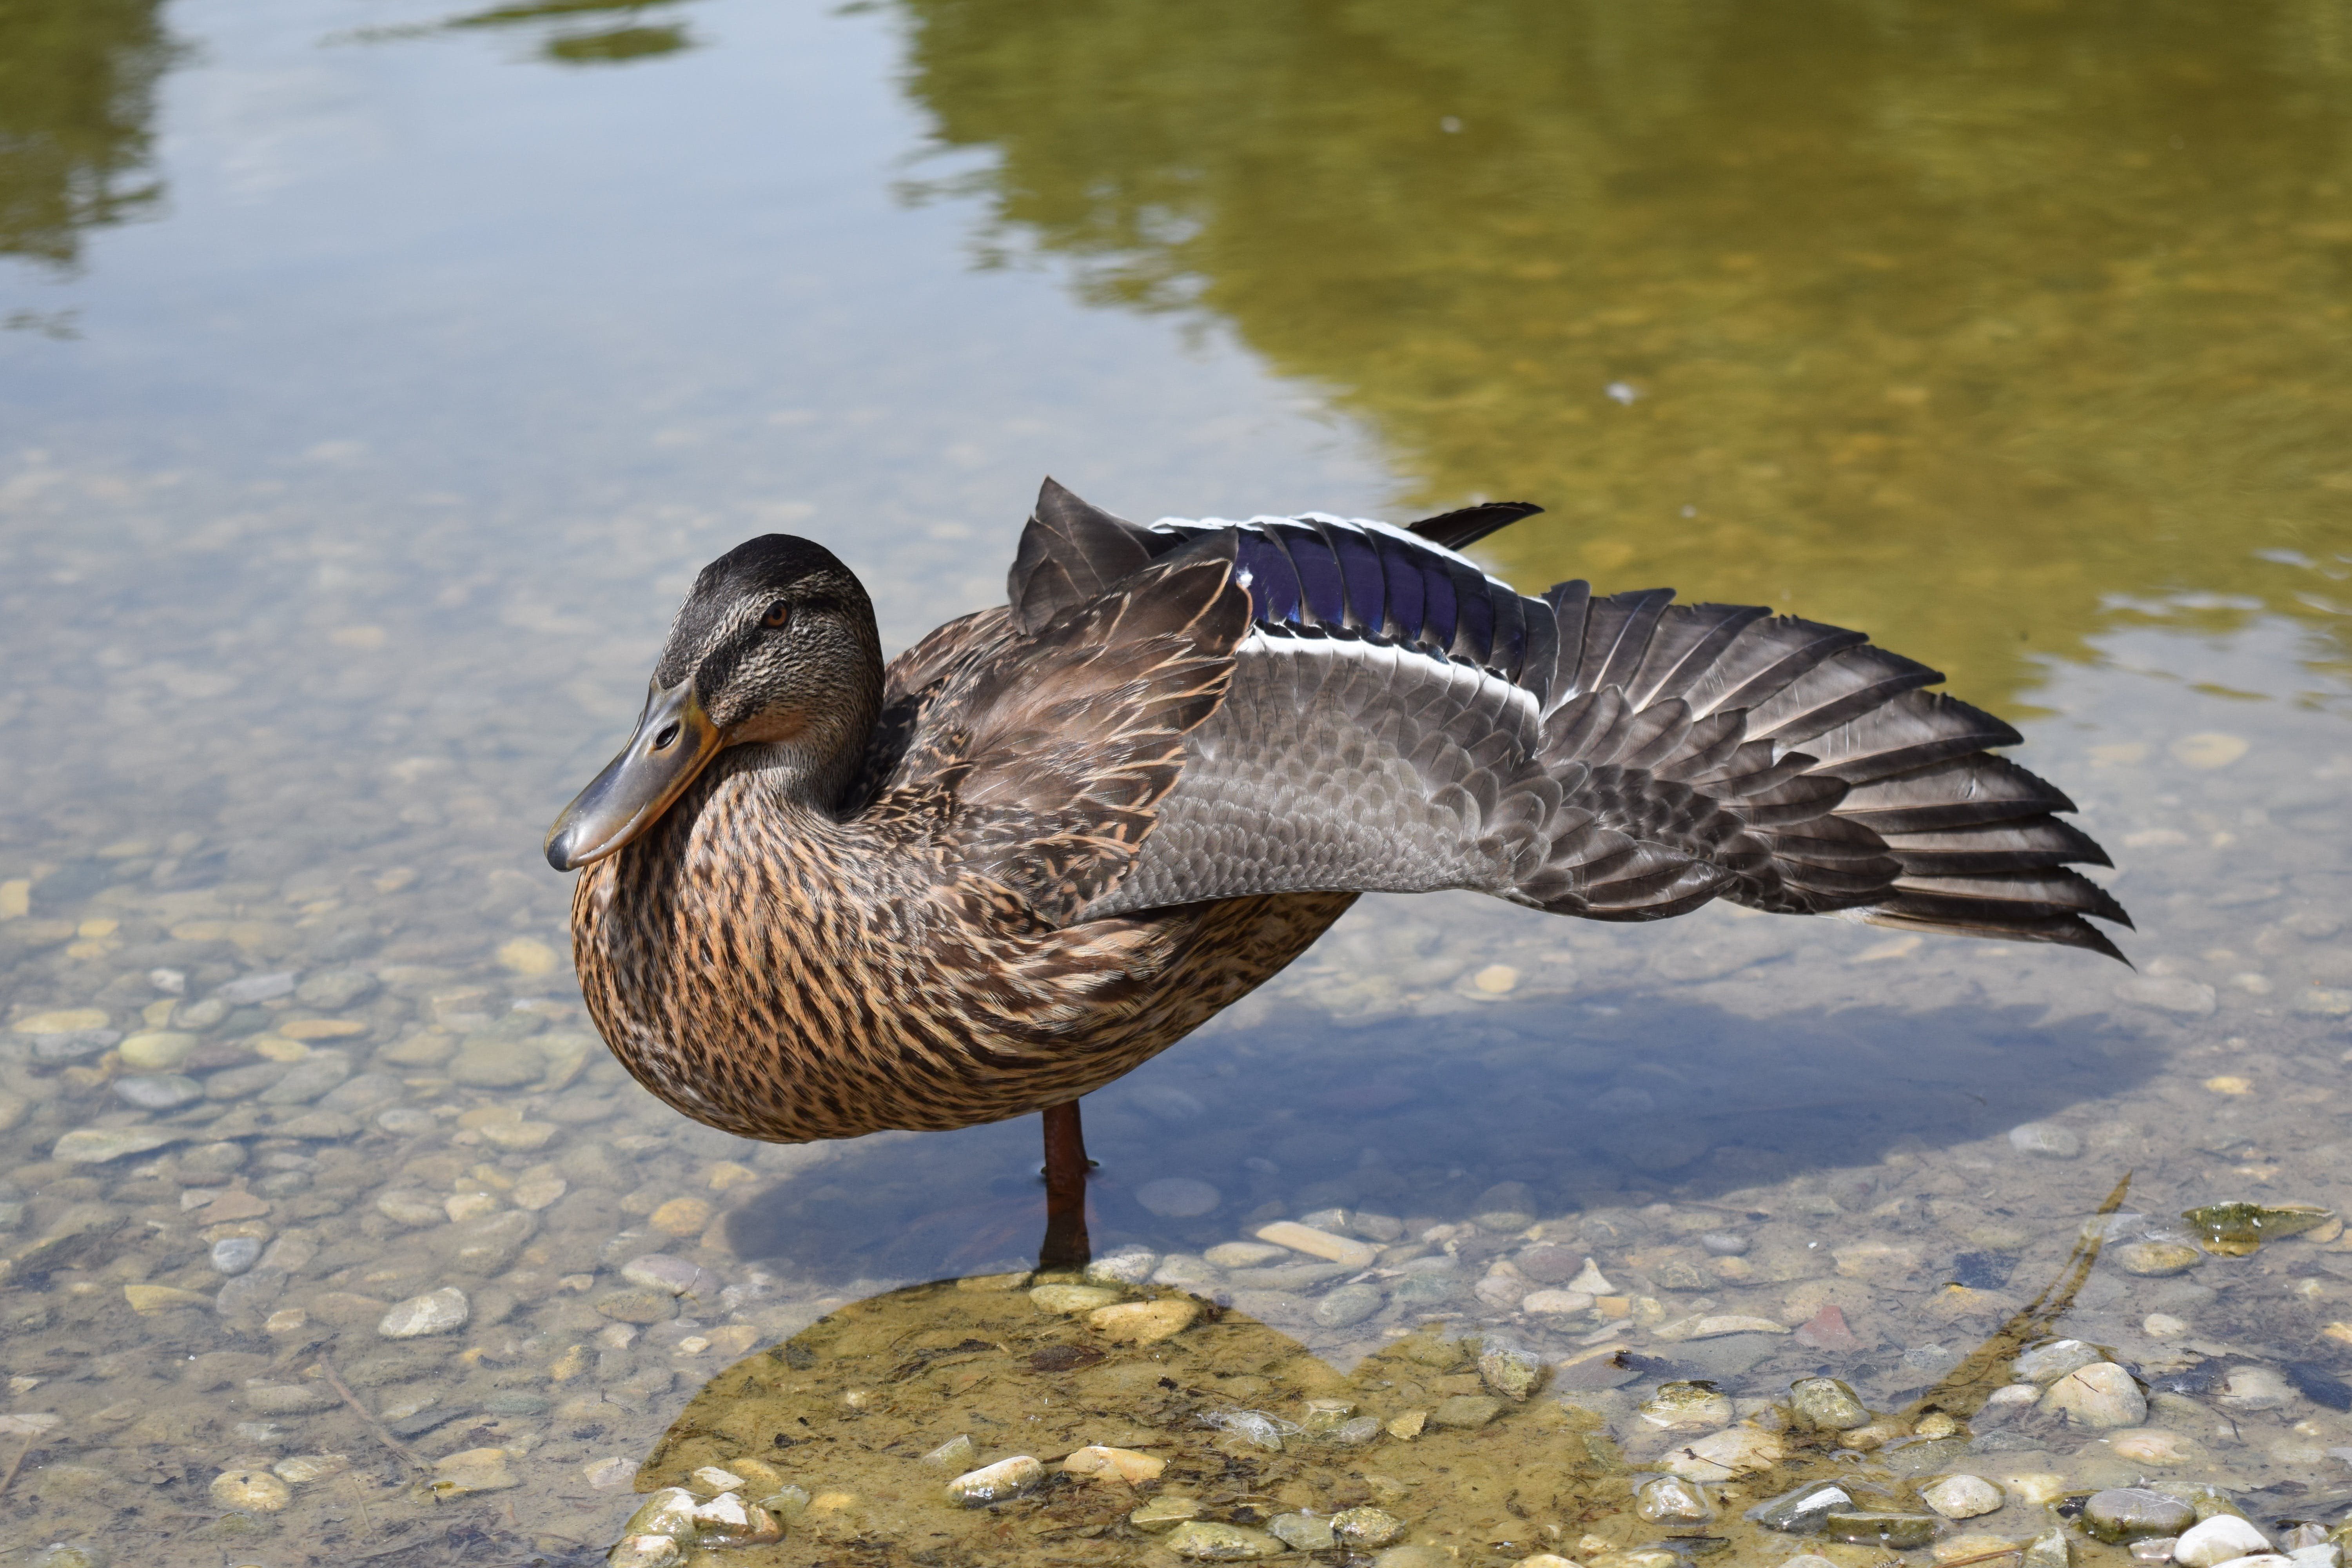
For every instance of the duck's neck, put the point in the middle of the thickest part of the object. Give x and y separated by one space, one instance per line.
809 768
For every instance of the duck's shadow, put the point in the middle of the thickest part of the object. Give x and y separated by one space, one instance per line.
1602 1099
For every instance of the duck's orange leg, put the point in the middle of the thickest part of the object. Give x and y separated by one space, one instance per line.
1066 1244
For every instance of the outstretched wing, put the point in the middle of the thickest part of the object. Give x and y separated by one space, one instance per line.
1036 759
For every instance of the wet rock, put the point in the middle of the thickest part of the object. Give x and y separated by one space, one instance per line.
2234 1230
255 989
319 1126
1203 1541
660 1271
999 1482
1801 1511
1178 1197
2255 1388
364 1094
1128 1265
434 1312
1466 1411
1556 1303
1144 1322
956 1454
2131 1513
407 1206
1718 1325
472 1470
78 1044
157 1050
336 989
2046 1138
1548 1263
1072 1299
2049 1550
237 1083
666 1514
1505 1208
1724 1244
488 1245
2217 1541
149 1300
1164 1513
1722 1456
158 1092
103 1145
1669 1500
2155 1260
1302 1532
1343 1251
1348 1305
406 1120
2050 1362
1962 1496
487 1062
285 1398
308 1079
1244 1254
2102 1394
1368 1527
1880 1527
641 1306
1509 1369
1097 1462
1256 1428
1826 1404
250 1491
235 1254
1687 1407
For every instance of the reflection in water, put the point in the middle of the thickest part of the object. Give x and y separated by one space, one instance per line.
1967 322
77 90
575 32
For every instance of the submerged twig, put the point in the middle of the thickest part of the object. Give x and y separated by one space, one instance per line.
408 1454
17 1463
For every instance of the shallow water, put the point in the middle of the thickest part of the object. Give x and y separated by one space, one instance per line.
376 378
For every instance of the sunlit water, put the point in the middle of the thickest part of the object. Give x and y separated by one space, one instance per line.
376 379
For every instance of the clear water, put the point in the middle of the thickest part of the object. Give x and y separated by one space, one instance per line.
376 378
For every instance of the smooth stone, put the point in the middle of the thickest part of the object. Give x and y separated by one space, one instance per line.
2255 1388
101 1145
1178 1197
304 1469
2154 1445
1687 1407
1962 1496
488 1245
1438 1557
1302 1532
235 1254
2155 1259
434 1312
1724 1244
323 1126
1826 1404
1144 1322
999 1482
149 1300
2046 1138
2049 1550
497 1064
334 989
1722 1455
1670 1500
1293 1276
1366 1527
308 1079
158 1050
2217 1541
409 1207
1718 1326
640 1306
62 1021
2102 1394
2048 1362
472 1470
367 1092
1072 1299
1164 1513
1510 1371
667 1513
406 1120
956 1454
158 1092
1244 1254
1880 1527
236 1083
2236 1229
255 989
250 1491
1204 1541
1339 1249
1348 1305
660 1271
1555 1303
1098 1462
1130 1266
1801 1511
1979 1548
1356 1432
1466 1410
72 1048
2128 1514
1256 1428
285 1399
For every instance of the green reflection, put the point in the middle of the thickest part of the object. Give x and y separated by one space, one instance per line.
1959 323
615 35
77 91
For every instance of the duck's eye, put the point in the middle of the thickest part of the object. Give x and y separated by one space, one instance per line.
779 614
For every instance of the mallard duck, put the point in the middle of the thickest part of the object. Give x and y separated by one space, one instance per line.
823 897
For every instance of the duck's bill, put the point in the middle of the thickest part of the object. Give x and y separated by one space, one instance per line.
673 743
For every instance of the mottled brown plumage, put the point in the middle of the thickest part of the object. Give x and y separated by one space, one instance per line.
822 898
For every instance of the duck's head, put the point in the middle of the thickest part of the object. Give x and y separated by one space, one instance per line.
775 648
